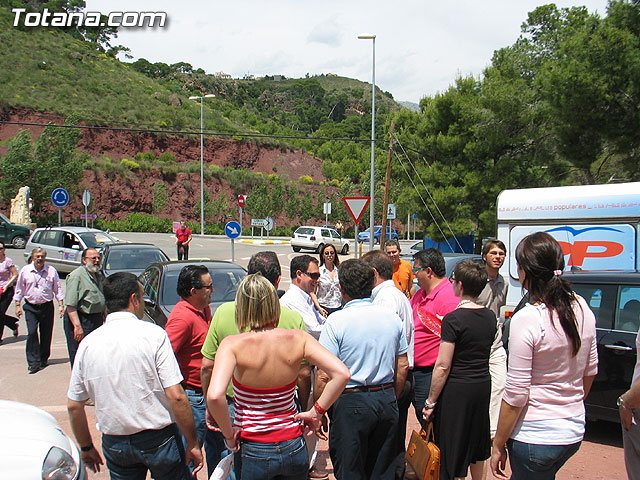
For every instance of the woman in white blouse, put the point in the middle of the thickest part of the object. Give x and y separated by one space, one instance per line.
329 298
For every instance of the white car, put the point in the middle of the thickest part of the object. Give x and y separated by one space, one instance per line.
313 238
33 446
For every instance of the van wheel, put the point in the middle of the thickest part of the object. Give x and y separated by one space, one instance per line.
319 248
19 241
296 249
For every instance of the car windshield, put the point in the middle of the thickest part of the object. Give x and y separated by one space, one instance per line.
97 239
225 284
132 258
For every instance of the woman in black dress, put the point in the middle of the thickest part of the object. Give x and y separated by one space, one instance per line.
458 401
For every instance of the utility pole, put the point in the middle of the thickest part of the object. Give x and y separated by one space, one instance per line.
383 233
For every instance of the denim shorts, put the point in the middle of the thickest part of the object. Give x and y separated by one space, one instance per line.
538 462
283 460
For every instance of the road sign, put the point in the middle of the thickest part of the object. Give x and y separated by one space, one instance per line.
232 229
241 200
415 216
86 198
60 197
356 206
327 208
269 226
391 212
88 216
259 222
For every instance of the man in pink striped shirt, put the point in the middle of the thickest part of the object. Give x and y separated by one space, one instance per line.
37 285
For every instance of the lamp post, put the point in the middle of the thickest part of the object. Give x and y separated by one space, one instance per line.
372 37
201 98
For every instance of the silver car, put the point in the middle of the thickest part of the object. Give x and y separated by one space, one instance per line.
313 238
64 245
32 445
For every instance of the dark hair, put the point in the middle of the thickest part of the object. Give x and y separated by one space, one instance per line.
190 277
381 262
392 243
336 260
356 278
84 252
301 262
267 264
118 288
490 243
432 258
541 258
472 275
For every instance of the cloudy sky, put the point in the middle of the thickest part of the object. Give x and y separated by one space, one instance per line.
421 45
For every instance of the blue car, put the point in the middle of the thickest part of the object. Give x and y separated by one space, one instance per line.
377 231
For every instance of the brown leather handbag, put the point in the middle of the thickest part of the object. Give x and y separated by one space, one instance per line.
423 455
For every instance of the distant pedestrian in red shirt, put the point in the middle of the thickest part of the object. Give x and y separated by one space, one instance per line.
183 238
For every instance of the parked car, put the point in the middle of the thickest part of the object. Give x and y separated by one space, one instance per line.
614 298
313 238
64 245
159 282
34 446
130 257
377 232
12 233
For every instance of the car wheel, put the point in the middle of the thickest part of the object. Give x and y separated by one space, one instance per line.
345 249
19 241
319 248
376 240
296 249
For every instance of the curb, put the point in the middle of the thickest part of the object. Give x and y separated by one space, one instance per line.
265 242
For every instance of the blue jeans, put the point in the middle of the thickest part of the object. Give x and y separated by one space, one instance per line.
277 460
215 449
538 462
422 385
196 400
159 451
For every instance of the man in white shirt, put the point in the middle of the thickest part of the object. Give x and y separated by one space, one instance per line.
305 274
386 294
128 369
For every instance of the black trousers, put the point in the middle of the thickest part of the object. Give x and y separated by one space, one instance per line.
6 320
88 321
185 250
38 317
404 401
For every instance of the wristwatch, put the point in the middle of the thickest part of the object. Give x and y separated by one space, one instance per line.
87 448
620 403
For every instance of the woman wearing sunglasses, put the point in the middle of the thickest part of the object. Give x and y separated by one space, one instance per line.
8 276
329 298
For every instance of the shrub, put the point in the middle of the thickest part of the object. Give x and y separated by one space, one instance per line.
137 222
167 157
130 164
306 180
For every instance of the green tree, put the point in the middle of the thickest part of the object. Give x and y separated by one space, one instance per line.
18 167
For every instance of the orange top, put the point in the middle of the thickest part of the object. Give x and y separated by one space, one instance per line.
403 277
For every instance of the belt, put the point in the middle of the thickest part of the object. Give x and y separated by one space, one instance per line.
368 388
186 386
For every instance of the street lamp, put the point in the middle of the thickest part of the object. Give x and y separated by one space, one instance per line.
370 36
209 95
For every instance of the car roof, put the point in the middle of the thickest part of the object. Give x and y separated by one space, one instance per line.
141 246
180 264
73 229
625 277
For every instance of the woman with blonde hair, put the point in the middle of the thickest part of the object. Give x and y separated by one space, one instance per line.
263 364
553 359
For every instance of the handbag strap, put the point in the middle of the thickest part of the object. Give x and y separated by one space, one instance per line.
428 435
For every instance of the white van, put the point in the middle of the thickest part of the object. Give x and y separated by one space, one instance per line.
597 226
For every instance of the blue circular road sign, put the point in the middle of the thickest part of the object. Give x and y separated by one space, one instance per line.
60 197
232 229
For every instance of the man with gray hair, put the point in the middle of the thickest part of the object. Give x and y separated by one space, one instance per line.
37 285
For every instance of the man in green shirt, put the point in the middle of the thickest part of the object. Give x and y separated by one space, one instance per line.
223 324
85 305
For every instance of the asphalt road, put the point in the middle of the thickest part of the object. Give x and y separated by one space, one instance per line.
600 456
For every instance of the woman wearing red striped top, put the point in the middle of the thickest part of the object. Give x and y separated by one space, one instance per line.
264 364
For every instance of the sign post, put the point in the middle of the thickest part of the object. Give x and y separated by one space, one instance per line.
60 198
356 207
86 200
232 230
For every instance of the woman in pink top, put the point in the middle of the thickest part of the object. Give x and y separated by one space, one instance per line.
552 362
264 364
8 276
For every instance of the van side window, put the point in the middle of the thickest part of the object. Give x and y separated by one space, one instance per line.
51 237
628 313
601 299
70 240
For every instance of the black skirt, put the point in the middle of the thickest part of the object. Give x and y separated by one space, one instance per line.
461 426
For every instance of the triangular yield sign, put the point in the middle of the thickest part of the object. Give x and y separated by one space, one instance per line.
356 206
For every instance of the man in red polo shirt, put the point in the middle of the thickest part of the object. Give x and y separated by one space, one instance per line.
183 238
187 328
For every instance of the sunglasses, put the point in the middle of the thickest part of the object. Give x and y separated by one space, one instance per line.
417 269
313 276
329 253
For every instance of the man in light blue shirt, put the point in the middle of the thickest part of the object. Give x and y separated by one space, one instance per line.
370 340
